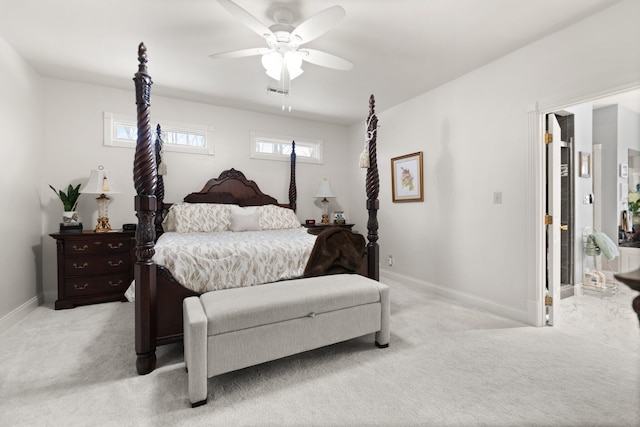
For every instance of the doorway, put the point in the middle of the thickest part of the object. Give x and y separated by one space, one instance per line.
576 194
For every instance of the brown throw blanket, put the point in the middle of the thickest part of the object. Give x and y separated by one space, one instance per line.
337 250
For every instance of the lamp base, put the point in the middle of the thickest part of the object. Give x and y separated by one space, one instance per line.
325 214
103 225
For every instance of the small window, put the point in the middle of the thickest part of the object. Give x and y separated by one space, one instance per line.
122 131
278 147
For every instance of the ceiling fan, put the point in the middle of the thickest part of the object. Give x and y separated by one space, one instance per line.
283 56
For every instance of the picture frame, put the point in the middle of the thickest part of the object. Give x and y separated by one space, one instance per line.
407 178
339 218
584 164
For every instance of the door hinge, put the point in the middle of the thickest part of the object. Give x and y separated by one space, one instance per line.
564 227
548 220
548 301
548 138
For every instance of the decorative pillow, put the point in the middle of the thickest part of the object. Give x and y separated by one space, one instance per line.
240 210
169 221
245 222
201 217
274 217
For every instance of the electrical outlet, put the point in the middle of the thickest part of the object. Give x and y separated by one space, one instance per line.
390 261
497 197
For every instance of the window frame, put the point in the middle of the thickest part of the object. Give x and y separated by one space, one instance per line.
256 136
112 120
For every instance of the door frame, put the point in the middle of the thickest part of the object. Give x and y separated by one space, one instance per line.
536 183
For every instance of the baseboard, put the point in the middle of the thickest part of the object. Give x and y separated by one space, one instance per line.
20 313
50 296
452 294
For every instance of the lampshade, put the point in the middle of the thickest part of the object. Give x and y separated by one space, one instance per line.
100 182
325 189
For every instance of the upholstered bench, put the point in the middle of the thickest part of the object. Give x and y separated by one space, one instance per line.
235 328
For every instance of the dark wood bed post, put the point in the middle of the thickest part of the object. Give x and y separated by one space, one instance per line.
145 182
373 188
632 280
160 182
293 192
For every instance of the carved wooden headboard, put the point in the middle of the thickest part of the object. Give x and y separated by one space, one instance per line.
232 187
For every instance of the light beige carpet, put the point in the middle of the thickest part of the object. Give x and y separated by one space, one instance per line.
447 365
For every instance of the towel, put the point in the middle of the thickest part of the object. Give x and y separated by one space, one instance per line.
630 222
606 245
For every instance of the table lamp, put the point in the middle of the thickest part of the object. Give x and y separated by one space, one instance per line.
101 182
323 192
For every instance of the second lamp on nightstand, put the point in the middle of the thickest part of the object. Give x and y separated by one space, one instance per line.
323 192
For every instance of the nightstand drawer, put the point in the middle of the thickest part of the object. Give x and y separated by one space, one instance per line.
82 266
95 246
89 285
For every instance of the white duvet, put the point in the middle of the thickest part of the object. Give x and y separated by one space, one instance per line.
211 261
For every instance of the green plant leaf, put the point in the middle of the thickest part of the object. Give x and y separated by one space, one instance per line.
70 199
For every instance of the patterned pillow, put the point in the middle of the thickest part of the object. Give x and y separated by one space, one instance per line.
274 217
200 217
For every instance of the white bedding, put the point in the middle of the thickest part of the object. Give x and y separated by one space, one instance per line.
211 261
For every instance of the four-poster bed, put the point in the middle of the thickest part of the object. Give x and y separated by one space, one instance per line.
158 295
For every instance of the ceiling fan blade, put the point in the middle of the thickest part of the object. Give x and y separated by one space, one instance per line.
325 59
318 24
241 53
245 17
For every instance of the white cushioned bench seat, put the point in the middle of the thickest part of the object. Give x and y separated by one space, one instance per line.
236 328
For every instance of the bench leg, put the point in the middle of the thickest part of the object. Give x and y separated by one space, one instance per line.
195 349
383 335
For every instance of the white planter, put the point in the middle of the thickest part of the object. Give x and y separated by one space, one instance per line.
70 217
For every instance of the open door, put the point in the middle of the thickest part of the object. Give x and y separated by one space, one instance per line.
552 218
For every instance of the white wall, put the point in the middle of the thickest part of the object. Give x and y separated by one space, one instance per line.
21 164
474 134
73 146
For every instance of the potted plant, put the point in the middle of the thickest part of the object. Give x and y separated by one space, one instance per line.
70 201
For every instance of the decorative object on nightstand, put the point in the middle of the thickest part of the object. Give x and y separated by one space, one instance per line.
70 201
93 267
318 226
101 182
323 192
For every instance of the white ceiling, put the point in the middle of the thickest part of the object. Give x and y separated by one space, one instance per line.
399 48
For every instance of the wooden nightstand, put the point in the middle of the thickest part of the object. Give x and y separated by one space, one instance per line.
93 267
317 225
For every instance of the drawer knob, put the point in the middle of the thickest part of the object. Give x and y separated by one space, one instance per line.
82 249
115 284
115 264
80 287
112 246
80 267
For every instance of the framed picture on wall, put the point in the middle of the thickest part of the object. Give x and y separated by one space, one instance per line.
585 164
407 178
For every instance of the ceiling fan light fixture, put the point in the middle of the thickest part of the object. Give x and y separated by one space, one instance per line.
272 63
294 64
